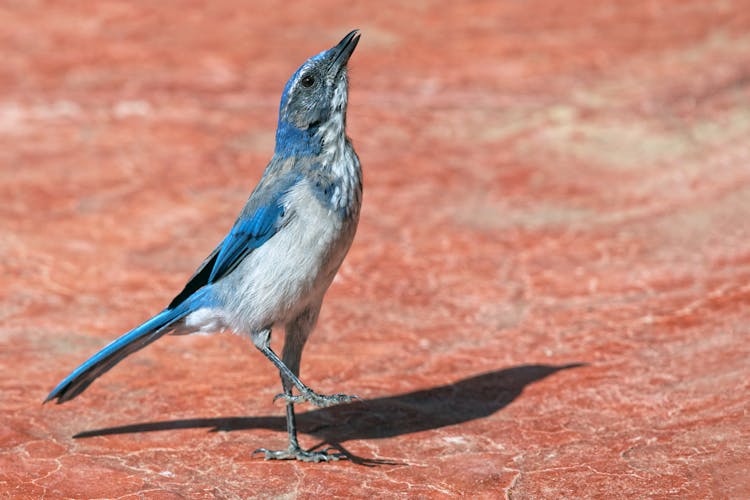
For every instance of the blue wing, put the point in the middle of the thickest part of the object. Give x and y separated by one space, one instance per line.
246 236
252 229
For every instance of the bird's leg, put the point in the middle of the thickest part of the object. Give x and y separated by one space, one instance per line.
294 452
306 394
291 419
289 370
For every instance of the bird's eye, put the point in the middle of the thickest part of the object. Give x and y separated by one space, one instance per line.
307 81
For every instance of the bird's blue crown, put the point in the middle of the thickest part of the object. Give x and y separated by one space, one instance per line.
307 100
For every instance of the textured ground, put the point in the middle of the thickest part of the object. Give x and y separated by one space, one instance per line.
549 294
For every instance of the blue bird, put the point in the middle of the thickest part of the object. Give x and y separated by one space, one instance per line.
281 255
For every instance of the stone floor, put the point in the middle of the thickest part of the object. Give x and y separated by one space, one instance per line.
549 292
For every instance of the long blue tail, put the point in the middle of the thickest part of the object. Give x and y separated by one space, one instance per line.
127 344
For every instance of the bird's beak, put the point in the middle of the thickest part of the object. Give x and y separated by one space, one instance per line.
343 51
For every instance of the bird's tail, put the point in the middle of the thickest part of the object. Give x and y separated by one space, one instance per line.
117 350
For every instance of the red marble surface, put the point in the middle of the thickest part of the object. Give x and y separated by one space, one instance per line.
549 294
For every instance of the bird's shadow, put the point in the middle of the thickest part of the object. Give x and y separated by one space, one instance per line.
462 401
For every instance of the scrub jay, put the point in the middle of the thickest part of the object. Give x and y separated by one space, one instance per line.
281 255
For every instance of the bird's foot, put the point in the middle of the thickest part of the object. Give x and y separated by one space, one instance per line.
319 400
297 453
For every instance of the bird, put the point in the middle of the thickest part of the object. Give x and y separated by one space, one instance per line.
275 265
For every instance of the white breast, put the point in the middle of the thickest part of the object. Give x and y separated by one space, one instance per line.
296 266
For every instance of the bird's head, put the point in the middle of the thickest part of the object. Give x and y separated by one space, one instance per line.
313 104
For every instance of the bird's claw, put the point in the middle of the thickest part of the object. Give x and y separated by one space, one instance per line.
297 453
319 400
